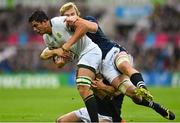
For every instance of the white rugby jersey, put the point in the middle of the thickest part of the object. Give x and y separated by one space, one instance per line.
61 34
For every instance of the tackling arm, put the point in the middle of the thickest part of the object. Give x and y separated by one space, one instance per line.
82 26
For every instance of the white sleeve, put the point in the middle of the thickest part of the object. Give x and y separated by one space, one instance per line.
45 40
50 41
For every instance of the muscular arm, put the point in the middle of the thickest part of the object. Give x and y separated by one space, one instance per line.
81 26
91 26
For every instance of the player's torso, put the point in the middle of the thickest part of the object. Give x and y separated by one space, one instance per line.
61 34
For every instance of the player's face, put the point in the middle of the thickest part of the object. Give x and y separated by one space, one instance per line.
70 12
39 27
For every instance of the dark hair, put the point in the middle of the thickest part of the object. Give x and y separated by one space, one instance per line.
38 16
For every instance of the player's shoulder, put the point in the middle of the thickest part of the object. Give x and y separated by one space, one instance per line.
58 20
90 18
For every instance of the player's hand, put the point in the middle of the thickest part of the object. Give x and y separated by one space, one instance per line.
46 54
71 20
98 84
59 61
62 53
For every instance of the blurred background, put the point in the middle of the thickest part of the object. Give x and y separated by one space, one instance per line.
149 29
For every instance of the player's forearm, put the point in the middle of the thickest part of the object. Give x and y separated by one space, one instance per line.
82 26
80 31
76 21
108 89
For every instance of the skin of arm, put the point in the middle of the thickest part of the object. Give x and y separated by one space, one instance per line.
82 26
75 21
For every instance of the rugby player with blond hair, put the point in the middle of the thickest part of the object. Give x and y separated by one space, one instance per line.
117 65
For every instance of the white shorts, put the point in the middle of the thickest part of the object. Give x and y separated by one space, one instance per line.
82 113
108 68
92 58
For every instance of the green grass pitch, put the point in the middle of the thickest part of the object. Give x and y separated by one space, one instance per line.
36 105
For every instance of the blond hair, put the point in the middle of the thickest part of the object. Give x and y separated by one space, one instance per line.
68 6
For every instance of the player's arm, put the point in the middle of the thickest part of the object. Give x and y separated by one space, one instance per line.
91 26
81 27
98 84
60 61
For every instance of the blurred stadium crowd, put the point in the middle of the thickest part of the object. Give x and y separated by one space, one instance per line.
153 40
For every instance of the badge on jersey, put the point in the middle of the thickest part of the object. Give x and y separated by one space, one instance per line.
59 35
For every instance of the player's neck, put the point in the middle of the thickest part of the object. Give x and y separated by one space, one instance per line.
49 28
